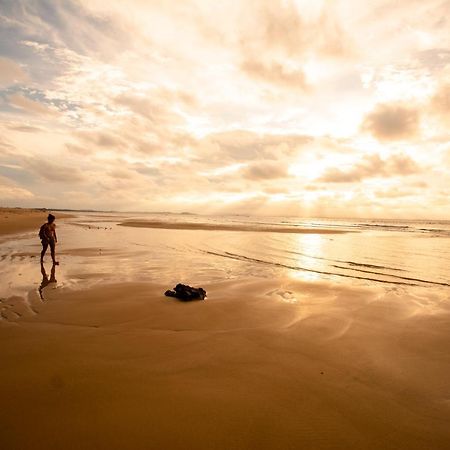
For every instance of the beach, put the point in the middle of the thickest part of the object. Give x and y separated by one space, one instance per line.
16 220
286 163
19 220
333 337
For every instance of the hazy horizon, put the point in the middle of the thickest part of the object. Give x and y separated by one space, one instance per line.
332 109
205 214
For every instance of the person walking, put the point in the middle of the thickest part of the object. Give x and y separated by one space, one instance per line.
47 234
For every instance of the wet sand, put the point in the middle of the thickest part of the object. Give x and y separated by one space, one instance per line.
262 363
258 365
226 227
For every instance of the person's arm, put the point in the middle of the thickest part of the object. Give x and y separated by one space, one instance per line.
54 233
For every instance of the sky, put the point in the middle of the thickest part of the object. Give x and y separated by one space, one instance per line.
266 107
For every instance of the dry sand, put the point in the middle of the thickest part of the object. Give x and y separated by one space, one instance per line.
16 220
225 227
258 365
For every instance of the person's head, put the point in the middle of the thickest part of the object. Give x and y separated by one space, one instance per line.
51 218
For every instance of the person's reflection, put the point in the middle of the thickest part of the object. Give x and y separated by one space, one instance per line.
45 280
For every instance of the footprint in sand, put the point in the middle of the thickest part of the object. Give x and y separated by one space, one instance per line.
286 296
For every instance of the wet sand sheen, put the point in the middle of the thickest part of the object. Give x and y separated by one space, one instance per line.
261 364
229 227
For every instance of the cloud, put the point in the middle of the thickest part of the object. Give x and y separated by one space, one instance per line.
24 128
284 28
245 145
395 192
99 138
131 135
67 24
275 72
54 172
265 171
372 166
146 170
440 103
278 38
392 121
434 59
9 190
149 107
10 72
29 106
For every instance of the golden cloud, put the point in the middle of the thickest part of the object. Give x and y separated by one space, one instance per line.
440 103
372 166
392 121
265 171
29 105
11 72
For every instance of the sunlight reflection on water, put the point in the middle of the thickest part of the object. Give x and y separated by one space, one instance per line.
311 244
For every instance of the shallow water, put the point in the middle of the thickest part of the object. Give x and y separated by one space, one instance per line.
93 248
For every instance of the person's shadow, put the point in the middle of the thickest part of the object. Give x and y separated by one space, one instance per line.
45 280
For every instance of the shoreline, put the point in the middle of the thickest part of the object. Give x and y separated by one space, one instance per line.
224 227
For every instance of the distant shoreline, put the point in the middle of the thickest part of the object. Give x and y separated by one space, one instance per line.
224 227
194 214
17 220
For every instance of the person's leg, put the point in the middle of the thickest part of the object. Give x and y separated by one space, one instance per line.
44 248
52 251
